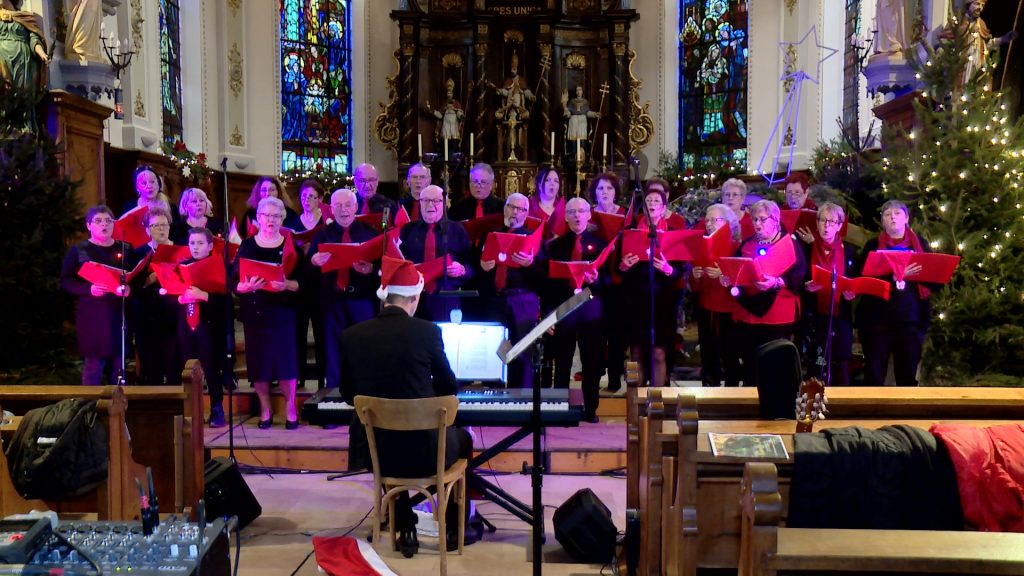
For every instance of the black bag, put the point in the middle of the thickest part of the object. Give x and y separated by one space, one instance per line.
59 450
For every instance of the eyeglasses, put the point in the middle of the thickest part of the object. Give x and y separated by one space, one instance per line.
576 211
160 225
366 180
517 209
270 216
102 221
310 196
715 219
481 182
431 200
828 222
762 219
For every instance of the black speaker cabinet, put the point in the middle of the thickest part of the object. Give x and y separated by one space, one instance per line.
227 494
583 526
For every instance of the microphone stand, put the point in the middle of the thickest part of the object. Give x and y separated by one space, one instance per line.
652 235
121 374
228 375
826 358
449 166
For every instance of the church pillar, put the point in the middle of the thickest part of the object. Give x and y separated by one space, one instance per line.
543 97
407 110
482 123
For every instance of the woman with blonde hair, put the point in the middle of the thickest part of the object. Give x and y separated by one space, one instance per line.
196 212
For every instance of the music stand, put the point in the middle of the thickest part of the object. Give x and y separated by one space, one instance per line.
509 352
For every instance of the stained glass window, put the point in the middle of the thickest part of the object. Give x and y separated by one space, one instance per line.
170 68
315 85
851 70
713 82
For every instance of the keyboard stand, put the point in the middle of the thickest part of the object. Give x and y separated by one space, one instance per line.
490 490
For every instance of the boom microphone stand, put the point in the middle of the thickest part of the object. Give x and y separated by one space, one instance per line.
121 374
652 235
449 166
228 375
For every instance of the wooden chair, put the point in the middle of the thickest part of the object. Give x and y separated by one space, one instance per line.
411 415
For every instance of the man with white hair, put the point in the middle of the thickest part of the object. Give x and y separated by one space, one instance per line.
346 295
416 179
480 201
366 181
400 357
431 237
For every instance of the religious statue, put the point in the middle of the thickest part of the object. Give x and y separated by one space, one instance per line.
451 115
979 41
891 19
577 111
83 38
23 55
513 112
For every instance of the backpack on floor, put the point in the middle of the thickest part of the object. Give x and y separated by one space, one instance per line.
59 450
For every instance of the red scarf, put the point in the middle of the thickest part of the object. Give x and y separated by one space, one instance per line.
830 257
909 241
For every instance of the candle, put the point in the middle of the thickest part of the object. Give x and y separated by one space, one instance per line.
446 149
604 147
552 144
419 146
471 145
579 151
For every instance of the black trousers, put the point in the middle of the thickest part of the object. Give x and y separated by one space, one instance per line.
585 327
458 444
719 358
521 309
903 341
340 313
838 365
206 343
308 310
615 334
159 358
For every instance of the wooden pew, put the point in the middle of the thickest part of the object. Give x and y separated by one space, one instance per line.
742 404
115 499
766 548
700 510
165 426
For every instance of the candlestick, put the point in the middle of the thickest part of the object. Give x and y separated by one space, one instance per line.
419 146
579 151
552 145
471 145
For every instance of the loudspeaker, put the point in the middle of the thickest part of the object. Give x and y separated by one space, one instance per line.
583 526
632 541
227 494
777 374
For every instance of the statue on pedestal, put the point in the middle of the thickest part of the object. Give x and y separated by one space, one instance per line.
577 111
892 23
451 115
23 55
83 39
513 113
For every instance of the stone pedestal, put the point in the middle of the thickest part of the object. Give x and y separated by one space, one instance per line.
889 74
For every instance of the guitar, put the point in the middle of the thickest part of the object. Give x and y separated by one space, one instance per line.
811 404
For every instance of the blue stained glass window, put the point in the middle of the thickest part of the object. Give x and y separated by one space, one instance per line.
315 85
713 52
170 68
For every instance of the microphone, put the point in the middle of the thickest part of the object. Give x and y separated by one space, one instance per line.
384 217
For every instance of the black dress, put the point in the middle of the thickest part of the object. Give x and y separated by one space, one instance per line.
97 318
207 342
155 323
268 319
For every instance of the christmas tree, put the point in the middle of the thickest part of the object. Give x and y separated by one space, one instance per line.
39 215
959 169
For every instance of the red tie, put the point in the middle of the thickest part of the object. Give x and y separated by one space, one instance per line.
192 315
429 245
415 211
501 276
342 281
479 208
577 250
364 205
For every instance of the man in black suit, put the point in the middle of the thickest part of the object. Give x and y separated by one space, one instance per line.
480 201
366 180
401 357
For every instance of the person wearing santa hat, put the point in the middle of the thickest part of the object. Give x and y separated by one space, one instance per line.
399 356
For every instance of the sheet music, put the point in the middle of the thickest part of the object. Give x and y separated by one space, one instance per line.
471 350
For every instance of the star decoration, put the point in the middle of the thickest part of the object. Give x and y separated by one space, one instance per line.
791 65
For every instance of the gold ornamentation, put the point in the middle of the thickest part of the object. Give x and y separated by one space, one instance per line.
581 4
545 28
481 50
407 29
511 182
235 78
385 125
790 67
137 21
140 106
575 60
451 60
234 5
619 48
236 137
641 125
408 48
514 35
481 30
790 5
447 5
620 28
545 51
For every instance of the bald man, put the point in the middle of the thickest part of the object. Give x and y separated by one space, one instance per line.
366 181
347 296
426 239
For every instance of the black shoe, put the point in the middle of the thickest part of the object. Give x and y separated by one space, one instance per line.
408 543
592 419
329 426
217 417
470 536
291 424
265 424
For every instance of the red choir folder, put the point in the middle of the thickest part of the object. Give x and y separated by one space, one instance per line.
207 274
714 247
168 277
255 268
304 237
375 219
774 262
864 285
169 253
500 246
433 269
674 245
574 271
608 225
251 228
477 228
935 268
218 248
109 276
129 227
401 217
344 255
532 223
393 244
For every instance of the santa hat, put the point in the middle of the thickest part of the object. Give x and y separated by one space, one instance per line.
399 277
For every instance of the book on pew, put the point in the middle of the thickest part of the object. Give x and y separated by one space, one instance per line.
500 246
864 285
674 245
775 260
575 270
935 268
129 227
345 255
759 446
109 276
267 271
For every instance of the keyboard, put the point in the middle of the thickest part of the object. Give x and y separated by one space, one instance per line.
478 407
